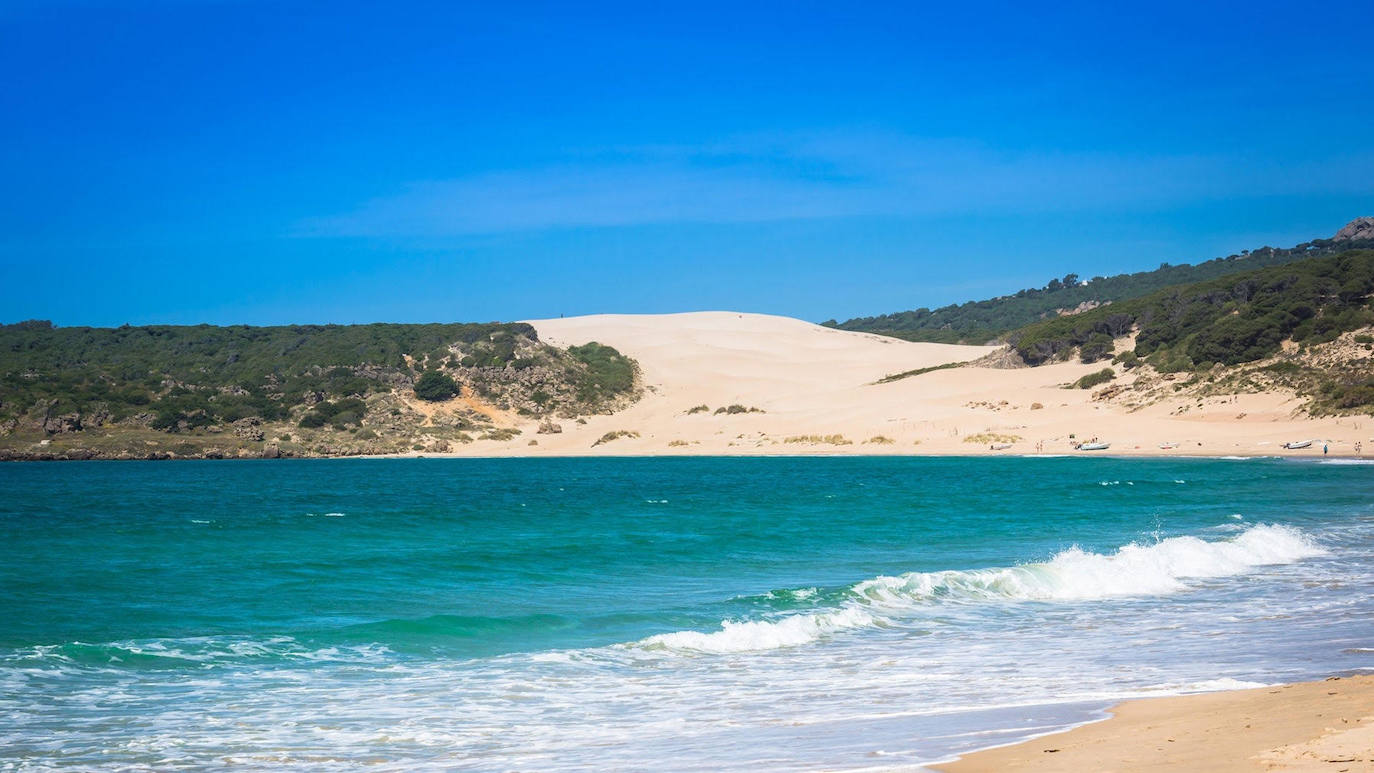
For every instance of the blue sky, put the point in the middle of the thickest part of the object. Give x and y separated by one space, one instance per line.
185 161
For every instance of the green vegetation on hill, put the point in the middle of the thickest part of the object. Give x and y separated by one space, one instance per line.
1235 319
1229 321
608 372
981 321
204 374
185 379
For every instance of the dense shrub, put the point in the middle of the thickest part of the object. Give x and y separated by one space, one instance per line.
1355 396
1093 379
608 372
1098 347
339 413
344 419
1127 360
435 386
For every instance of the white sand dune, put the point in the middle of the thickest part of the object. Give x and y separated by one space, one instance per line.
719 358
807 380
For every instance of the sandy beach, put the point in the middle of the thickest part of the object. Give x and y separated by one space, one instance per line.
1311 726
807 389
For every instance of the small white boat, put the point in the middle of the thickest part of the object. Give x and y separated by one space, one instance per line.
1168 445
1094 446
1000 446
1296 444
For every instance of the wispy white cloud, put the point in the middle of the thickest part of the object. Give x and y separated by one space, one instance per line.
822 175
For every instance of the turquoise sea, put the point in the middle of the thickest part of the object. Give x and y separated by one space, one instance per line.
691 614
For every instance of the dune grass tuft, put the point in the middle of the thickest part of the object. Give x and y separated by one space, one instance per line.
991 437
834 440
616 435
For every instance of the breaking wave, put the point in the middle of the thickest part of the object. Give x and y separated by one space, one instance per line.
1072 575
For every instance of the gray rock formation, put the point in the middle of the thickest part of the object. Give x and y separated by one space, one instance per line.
1359 228
249 428
67 422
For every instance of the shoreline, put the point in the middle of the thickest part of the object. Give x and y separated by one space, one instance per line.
753 453
1325 724
932 454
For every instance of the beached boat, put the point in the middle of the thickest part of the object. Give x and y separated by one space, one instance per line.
1168 445
1094 446
1000 446
1296 444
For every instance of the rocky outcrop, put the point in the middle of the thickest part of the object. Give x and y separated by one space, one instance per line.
533 391
66 422
249 428
1080 308
1359 229
1107 393
549 428
1005 358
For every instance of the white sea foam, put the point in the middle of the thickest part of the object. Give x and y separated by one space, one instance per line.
757 635
791 594
1224 683
1072 575
1079 575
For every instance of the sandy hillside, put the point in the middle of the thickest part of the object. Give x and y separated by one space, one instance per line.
815 390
